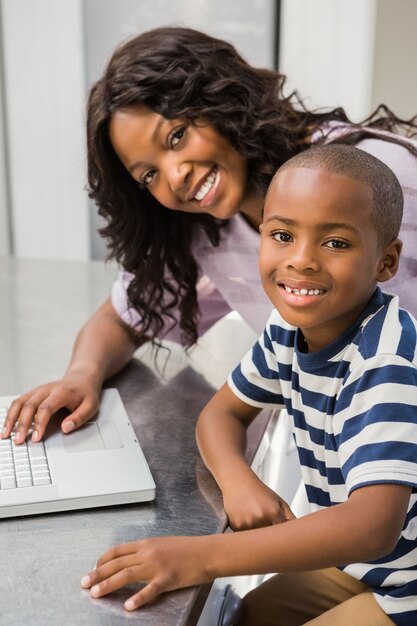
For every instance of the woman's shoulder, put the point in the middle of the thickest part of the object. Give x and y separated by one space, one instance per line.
396 151
332 130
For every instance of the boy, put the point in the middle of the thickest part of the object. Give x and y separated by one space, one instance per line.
341 356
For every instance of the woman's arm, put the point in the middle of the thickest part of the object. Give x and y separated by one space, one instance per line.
102 348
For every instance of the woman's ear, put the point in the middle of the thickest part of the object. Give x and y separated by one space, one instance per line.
389 261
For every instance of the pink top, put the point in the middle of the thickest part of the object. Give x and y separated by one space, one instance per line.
229 278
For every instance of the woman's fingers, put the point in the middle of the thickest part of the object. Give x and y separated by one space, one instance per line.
82 414
21 414
37 407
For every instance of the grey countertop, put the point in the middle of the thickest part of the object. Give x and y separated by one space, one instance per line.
43 305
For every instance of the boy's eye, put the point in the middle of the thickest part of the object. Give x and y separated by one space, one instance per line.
337 244
281 235
176 136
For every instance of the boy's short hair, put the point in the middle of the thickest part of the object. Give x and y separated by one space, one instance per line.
388 199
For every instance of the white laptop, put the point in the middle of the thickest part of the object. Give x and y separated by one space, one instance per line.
100 464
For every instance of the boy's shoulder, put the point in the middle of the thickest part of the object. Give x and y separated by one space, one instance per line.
389 330
279 331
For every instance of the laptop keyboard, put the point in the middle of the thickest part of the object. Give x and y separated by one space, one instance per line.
24 465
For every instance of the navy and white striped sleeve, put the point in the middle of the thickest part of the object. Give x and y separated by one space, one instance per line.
375 423
256 379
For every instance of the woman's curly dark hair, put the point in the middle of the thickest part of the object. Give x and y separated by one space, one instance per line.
183 73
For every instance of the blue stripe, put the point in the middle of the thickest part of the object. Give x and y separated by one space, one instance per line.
316 434
307 459
408 618
377 575
411 514
259 359
316 495
402 591
407 343
268 343
395 413
335 476
369 345
384 451
282 336
401 550
258 394
318 401
285 372
398 374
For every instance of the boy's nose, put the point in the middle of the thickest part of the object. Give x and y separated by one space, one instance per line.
303 258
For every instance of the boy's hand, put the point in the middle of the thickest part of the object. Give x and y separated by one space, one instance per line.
38 405
252 505
163 563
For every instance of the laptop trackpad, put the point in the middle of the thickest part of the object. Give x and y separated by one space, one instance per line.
91 437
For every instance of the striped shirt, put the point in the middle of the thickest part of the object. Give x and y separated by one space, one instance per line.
353 412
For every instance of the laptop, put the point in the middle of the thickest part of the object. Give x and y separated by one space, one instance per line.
100 464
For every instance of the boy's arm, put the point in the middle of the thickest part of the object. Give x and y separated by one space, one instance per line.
221 437
364 528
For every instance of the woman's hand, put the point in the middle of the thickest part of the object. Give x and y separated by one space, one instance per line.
251 504
74 392
102 348
162 563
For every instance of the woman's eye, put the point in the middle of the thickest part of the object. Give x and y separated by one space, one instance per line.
148 177
176 136
280 235
337 244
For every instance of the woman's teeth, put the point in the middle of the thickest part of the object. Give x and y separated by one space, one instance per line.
304 292
205 188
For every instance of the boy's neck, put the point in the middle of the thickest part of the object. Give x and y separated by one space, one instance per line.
318 338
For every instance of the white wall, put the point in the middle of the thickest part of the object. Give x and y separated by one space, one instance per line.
5 247
326 50
395 60
351 53
44 96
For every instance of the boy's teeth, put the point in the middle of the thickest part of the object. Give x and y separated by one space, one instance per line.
304 292
204 189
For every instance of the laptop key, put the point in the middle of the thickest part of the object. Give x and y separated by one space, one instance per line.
8 482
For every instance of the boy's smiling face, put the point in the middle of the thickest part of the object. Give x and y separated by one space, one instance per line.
320 258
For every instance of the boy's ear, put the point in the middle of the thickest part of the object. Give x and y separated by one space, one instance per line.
389 261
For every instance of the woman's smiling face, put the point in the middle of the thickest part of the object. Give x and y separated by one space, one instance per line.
186 167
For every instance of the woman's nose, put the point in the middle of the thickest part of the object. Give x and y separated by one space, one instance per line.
178 174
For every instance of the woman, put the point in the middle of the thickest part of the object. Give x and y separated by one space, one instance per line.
183 139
